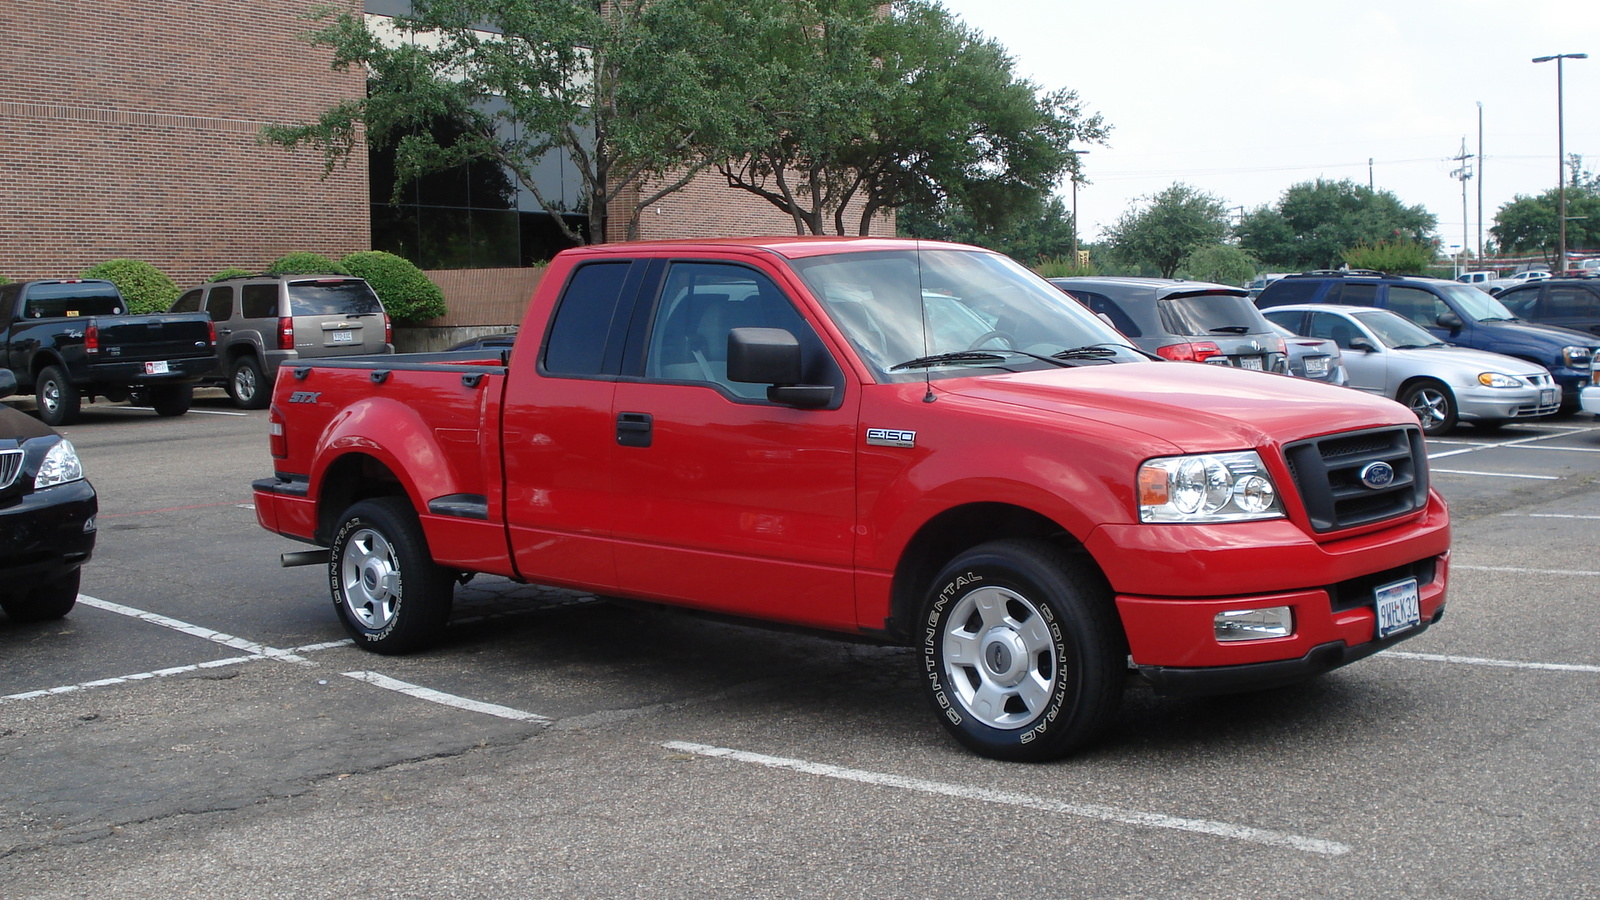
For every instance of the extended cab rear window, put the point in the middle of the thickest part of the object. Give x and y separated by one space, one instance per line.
332 298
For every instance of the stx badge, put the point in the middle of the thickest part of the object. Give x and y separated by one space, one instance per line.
304 396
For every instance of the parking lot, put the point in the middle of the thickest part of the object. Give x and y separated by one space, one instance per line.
200 726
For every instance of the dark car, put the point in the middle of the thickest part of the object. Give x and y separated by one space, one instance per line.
503 340
47 516
1456 313
1190 321
1565 302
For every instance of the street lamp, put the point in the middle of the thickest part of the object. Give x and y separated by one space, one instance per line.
1077 154
1561 160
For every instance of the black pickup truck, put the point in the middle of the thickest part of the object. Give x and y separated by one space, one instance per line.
71 339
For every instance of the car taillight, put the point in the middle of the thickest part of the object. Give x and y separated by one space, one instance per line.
1197 351
286 333
276 441
91 340
388 330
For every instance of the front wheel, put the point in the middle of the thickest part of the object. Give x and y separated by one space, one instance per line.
1433 404
391 596
171 399
59 402
46 601
1023 656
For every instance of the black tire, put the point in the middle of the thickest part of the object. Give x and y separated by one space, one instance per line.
1023 655
59 402
50 600
1433 404
390 595
248 385
171 399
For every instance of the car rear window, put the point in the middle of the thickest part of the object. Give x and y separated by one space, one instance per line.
332 298
1207 314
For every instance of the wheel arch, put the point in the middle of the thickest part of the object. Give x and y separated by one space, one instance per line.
349 479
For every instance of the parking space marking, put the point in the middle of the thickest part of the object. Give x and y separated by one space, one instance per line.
226 640
1495 474
1517 515
433 696
966 792
1581 573
1520 443
199 412
126 679
1495 663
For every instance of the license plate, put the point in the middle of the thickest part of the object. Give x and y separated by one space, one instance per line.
1547 397
343 337
1398 609
1253 363
1316 366
156 368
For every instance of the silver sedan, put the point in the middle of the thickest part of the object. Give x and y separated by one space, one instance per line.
1389 355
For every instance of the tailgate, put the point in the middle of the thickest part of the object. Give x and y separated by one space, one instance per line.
141 338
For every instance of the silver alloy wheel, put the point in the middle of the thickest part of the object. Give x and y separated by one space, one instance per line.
369 579
1000 658
1431 406
50 396
244 383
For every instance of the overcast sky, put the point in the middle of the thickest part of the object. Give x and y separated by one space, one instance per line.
1244 98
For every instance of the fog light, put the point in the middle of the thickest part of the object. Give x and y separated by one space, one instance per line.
1254 624
88 525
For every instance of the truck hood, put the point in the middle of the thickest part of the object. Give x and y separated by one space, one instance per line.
1196 408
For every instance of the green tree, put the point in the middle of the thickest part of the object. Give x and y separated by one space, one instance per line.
1399 257
1176 222
1529 224
1314 222
856 107
146 288
1039 229
1220 263
521 80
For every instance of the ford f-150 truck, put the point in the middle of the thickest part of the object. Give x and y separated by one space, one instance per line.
72 338
919 443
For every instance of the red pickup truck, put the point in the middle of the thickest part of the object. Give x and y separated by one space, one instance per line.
920 443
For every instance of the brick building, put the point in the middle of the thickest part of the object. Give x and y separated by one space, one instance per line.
137 135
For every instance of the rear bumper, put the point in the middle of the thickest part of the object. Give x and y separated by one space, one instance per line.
135 374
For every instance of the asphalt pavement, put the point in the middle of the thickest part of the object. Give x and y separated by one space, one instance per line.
199 726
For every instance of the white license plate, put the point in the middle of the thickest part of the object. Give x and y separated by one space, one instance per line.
158 367
343 337
1398 609
1316 366
1253 363
1547 397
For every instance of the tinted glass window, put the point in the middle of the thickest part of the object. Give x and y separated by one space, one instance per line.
48 301
219 303
1418 305
189 302
584 320
1521 303
1285 291
1100 304
332 298
1571 303
1205 314
1289 320
1358 293
260 301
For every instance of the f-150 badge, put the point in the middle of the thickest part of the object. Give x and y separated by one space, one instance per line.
891 437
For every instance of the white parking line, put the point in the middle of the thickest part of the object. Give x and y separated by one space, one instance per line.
1520 443
226 640
1581 573
125 679
1517 515
433 696
984 795
201 412
1496 663
1495 474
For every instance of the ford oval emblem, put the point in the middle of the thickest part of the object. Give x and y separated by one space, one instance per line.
1377 475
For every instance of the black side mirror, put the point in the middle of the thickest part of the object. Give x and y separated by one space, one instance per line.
771 356
8 383
1364 345
1449 320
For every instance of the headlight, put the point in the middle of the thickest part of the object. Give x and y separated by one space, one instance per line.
1577 357
1214 487
1495 379
60 466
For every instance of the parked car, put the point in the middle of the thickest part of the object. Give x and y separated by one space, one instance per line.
1188 321
47 516
1496 285
504 340
1452 312
1566 302
1391 356
265 322
1315 358
1590 398
1477 279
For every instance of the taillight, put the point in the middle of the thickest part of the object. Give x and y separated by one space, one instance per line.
211 331
286 333
276 442
388 330
1198 351
91 340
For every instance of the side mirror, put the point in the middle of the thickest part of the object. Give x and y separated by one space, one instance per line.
8 383
771 356
1364 345
1449 320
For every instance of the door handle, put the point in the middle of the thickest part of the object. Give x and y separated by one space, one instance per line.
633 429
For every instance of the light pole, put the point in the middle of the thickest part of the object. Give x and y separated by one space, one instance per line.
1077 154
1561 161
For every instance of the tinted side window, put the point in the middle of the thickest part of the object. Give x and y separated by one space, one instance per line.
219 303
1571 303
260 301
1101 305
1417 305
1358 293
1521 302
584 319
189 302
1285 291
1334 328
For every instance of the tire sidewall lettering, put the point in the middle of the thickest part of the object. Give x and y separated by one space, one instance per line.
336 590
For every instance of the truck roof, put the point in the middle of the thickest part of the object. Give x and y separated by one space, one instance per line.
787 246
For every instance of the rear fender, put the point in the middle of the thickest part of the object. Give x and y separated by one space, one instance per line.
395 435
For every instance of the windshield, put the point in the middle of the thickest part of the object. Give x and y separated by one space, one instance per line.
1475 303
332 298
980 310
1395 331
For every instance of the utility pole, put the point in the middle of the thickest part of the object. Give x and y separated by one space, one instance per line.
1480 180
1462 173
1561 159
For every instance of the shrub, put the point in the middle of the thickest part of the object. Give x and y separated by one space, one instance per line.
406 292
146 288
1062 267
1219 263
231 272
1397 257
303 263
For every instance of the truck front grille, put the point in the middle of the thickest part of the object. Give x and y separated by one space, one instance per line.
1328 471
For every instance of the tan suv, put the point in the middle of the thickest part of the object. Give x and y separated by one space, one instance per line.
265 322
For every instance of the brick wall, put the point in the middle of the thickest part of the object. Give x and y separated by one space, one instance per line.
129 130
707 207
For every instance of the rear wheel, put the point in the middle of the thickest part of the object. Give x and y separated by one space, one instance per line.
248 385
391 596
59 402
46 601
171 399
1434 405
1023 657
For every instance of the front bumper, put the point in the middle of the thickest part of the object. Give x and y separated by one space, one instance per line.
1485 403
1589 399
46 534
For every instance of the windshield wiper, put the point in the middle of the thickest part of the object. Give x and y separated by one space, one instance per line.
1088 351
1231 329
956 358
